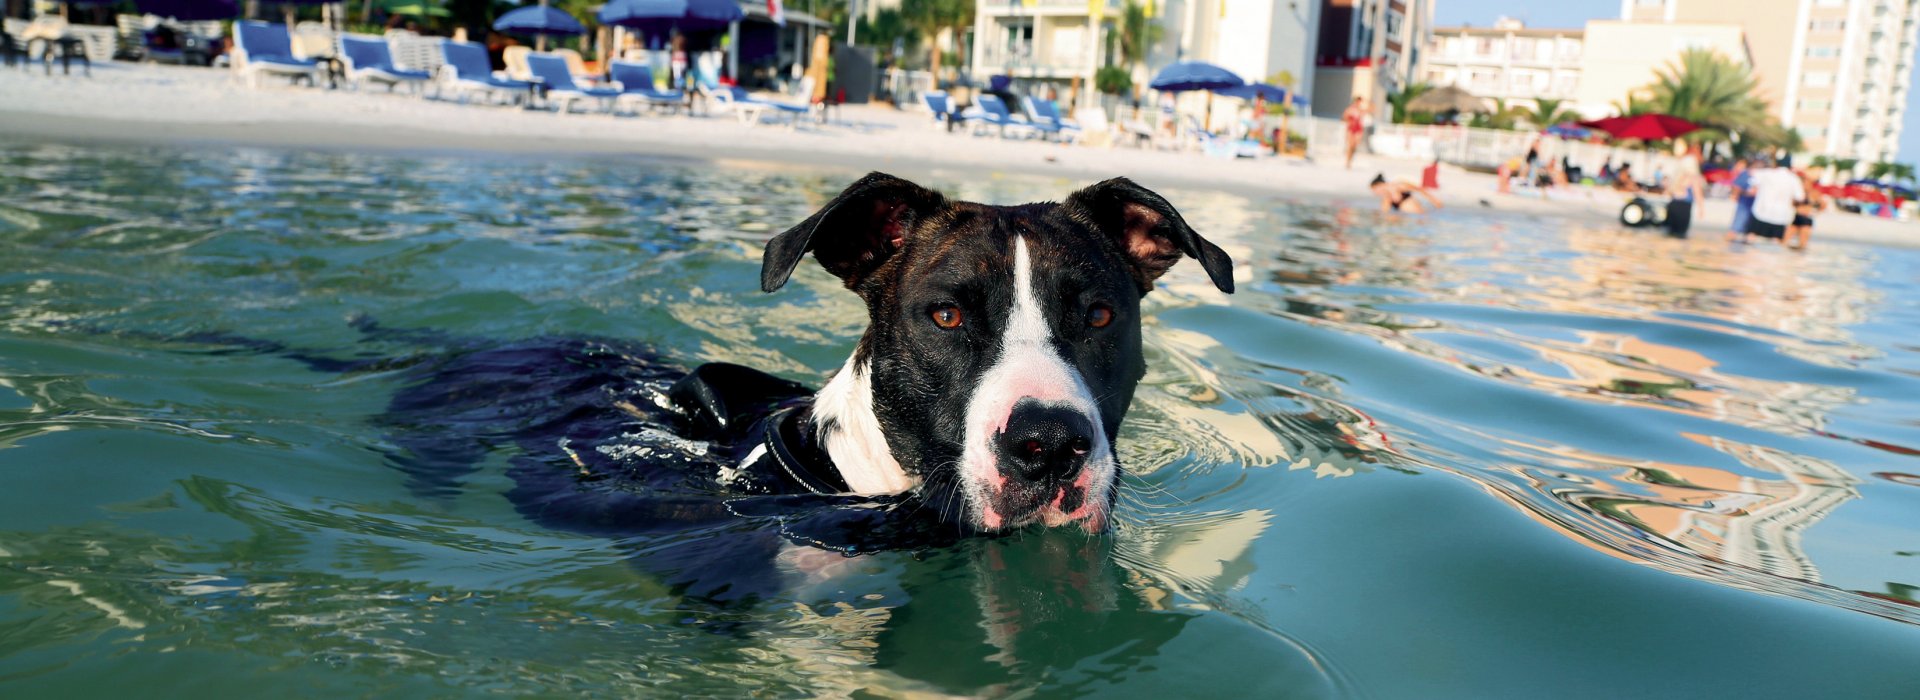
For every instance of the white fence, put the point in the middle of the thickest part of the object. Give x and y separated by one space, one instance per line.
1482 149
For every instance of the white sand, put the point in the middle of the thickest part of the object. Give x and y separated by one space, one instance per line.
170 104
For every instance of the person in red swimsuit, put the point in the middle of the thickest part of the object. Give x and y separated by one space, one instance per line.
1355 117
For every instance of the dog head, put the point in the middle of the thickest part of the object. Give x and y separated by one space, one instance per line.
1003 347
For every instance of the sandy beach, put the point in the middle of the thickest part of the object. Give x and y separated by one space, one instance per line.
140 103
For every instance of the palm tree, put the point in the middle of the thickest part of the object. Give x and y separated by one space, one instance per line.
1880 170
1843 167
1137 34
1711 90
1407 94
929 17
1547 112
1503 116
1902 172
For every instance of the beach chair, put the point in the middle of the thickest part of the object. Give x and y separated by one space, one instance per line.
264 47
1044 115
1222 146
557 82
369 59
941 104
635 83
468 71
516 59
749 108
994 114
578 67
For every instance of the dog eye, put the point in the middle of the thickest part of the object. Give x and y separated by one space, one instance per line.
947 316
1099 315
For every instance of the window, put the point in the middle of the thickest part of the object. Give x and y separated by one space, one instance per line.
1813 105
1817 79
1522 49
1650 3
1830 3
1823 51
1488 46
1527 83
1570 50
1812 132
1827 25
1483 81
1566 83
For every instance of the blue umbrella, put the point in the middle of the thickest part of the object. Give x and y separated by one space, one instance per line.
685 14
1194 75
539 19
1270 93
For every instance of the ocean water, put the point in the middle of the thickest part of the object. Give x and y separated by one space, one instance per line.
1463 455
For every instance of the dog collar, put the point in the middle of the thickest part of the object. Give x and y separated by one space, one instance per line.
797 457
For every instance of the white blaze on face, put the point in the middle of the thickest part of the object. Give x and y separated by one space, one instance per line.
854 442
1028 367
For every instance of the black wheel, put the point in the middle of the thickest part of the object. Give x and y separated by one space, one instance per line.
1636 213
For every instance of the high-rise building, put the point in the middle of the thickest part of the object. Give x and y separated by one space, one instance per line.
1836 70
1368 48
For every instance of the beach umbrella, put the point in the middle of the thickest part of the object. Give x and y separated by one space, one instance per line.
1249 91
681 14
540 21
1569 130
1194 75
190 10
1645 127
1451 98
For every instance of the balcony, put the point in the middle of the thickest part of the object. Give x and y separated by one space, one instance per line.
1021 61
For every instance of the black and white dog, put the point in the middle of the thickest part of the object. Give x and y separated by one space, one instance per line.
1003 350
1004 343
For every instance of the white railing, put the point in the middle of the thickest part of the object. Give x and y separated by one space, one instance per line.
1482 149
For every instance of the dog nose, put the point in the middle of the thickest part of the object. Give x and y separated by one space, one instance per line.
1045 442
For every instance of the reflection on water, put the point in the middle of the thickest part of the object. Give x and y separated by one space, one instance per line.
1413 457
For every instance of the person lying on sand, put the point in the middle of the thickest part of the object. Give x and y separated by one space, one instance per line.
1399 195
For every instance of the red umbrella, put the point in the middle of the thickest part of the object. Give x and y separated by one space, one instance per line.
1645 127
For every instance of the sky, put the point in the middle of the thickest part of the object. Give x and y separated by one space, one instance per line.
1575 13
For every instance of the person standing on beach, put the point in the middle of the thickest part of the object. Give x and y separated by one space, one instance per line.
1742 186
1686 187
1775 189
1804 209
1356 120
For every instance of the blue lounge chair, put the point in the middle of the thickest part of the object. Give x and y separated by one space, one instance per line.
636 83
749 108
471 72
266 48
1223 146
1049 111
994 113
369 60
556 81
942 105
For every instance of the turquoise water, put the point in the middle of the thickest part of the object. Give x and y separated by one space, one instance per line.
1469 455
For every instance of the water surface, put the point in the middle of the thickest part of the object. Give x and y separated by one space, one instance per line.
1465 455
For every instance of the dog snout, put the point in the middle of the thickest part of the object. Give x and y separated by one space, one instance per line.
1045 443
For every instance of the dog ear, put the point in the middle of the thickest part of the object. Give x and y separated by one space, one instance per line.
854 233
1150 232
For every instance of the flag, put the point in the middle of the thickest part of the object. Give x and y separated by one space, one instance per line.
778 13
